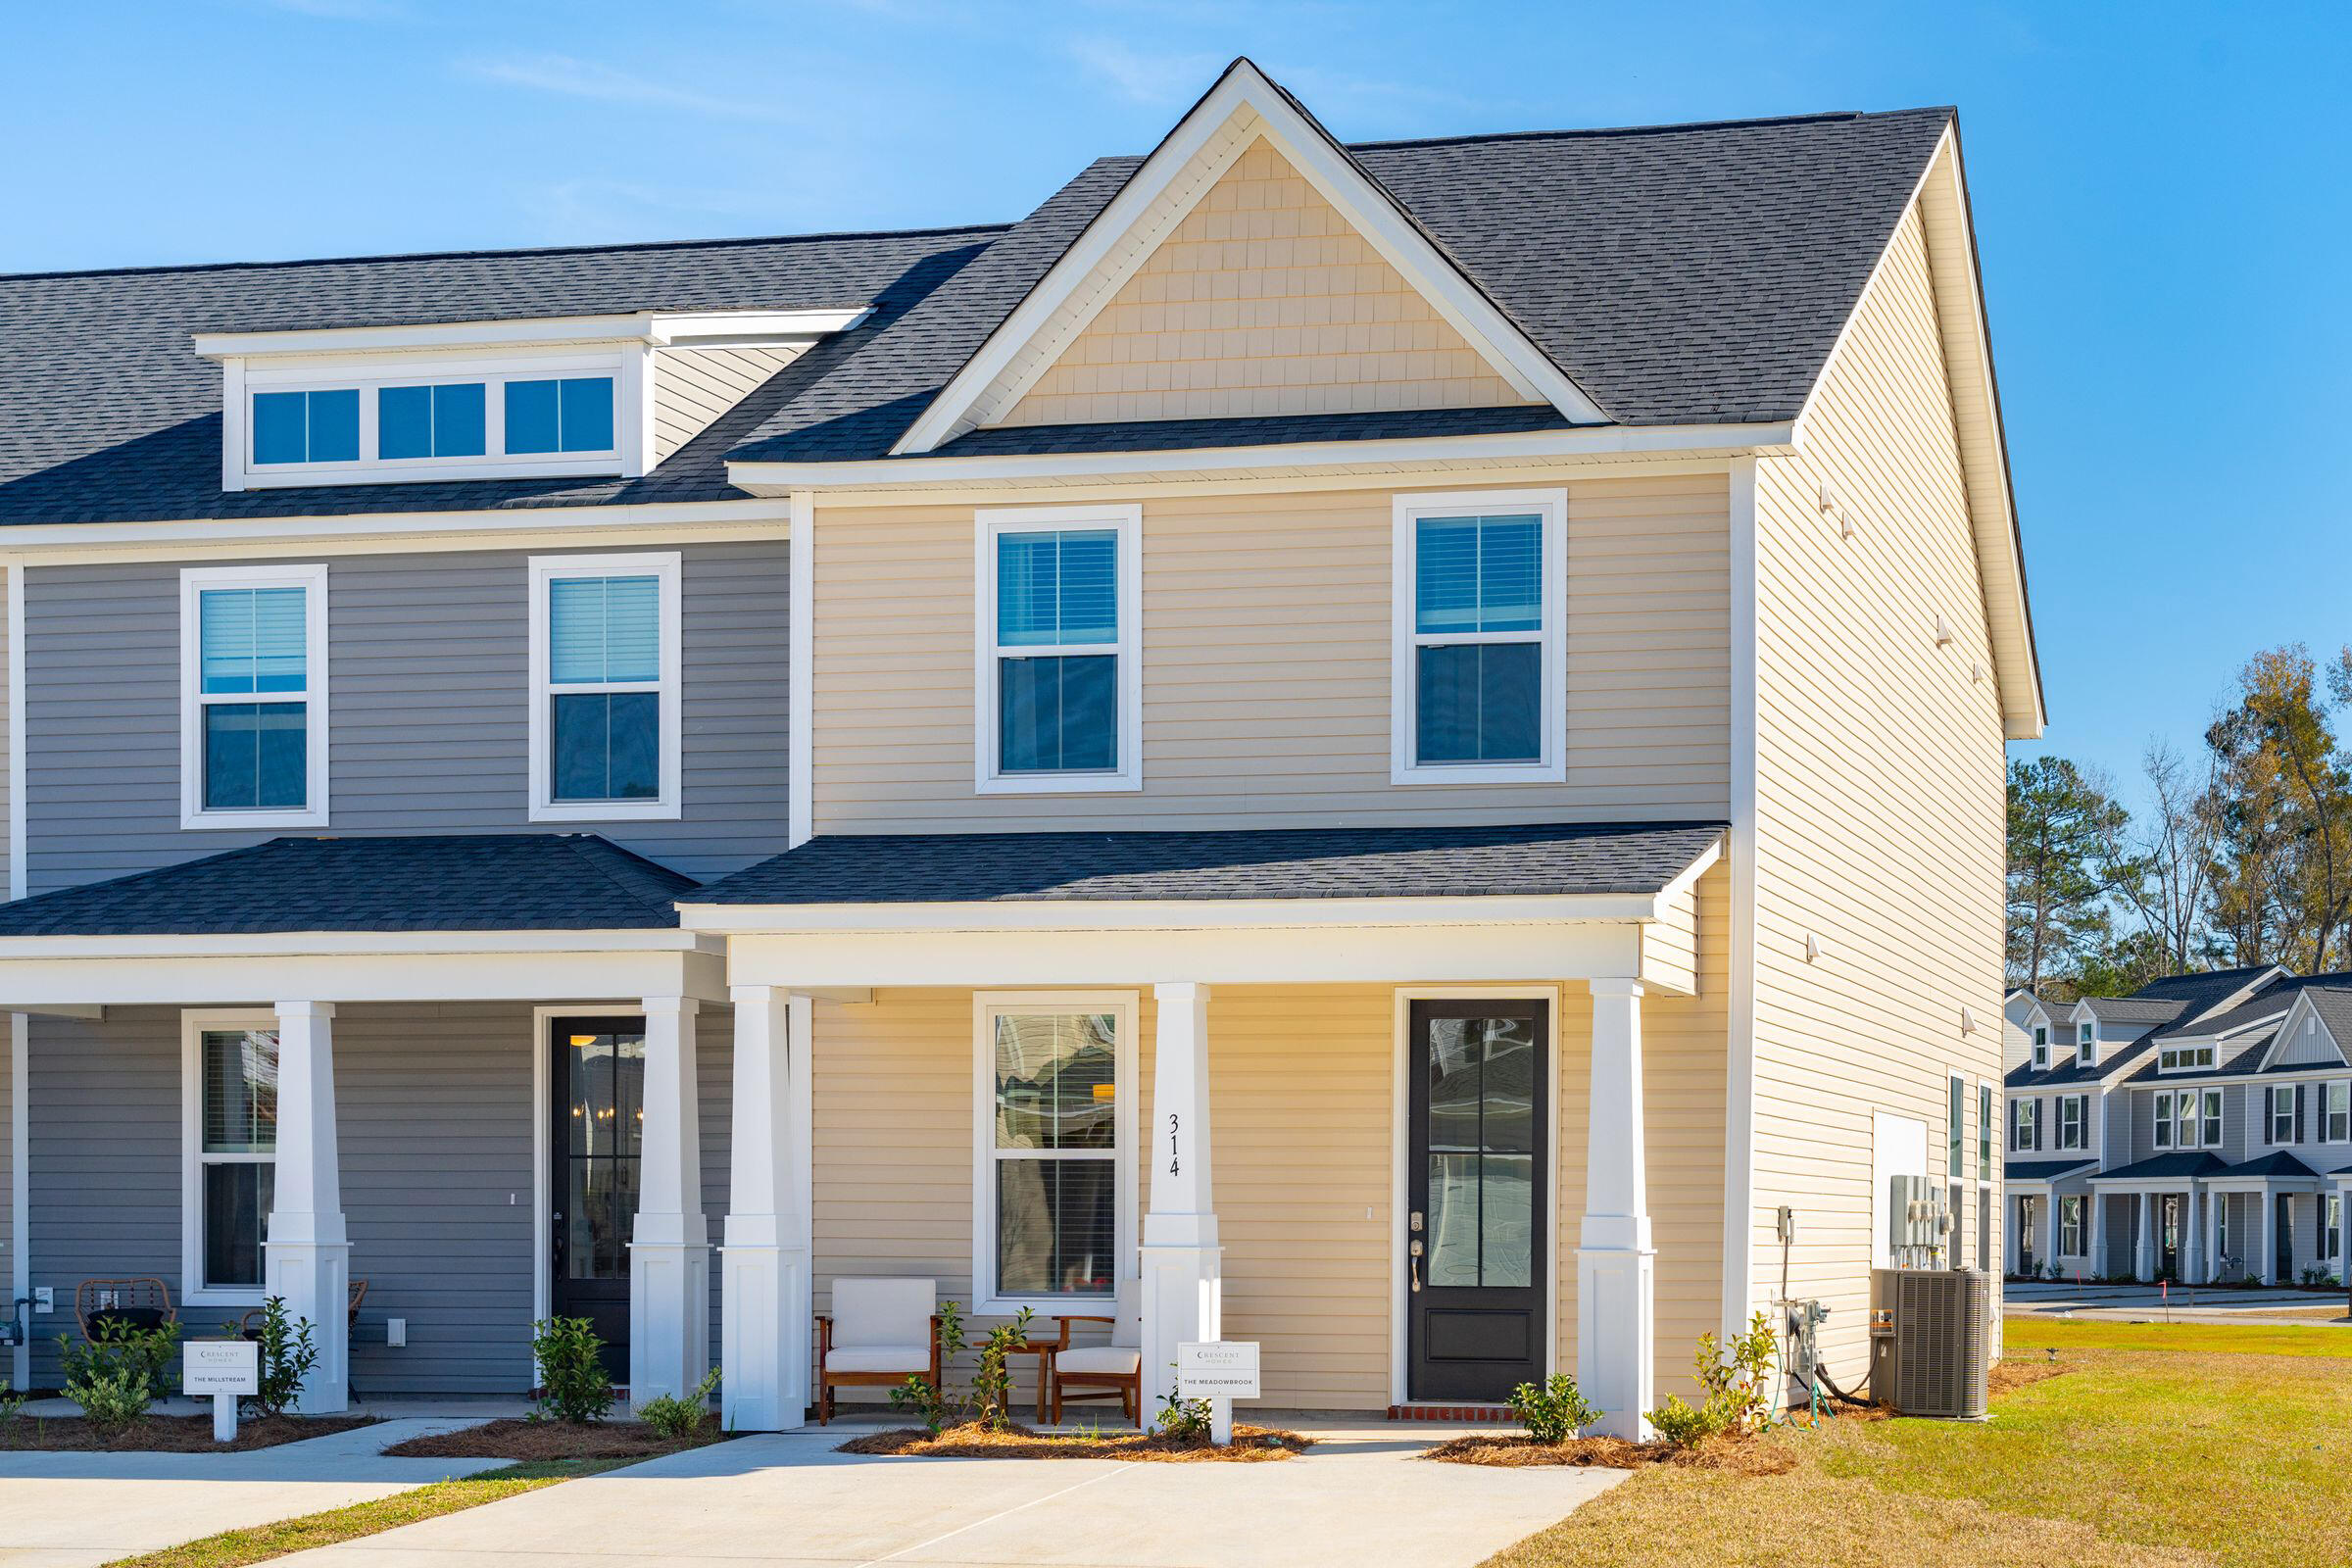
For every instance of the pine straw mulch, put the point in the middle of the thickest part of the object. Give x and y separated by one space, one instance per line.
511 1439
166 1433
1250 1445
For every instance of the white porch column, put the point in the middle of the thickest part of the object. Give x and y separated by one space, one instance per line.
1616 1267
764 1314
2265 1230
669 1248
306 1258
2096 1203
1183 1288
2050 1230
2143 1258
2013 1232
2192 1244
2210 1254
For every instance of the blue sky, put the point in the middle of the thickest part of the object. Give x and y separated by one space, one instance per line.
2159 196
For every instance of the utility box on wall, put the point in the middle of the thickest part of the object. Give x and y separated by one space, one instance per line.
1930 1339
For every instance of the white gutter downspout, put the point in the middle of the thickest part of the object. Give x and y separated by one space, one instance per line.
20 1032
1740 1053
799 721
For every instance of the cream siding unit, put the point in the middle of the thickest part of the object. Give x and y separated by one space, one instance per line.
1264 301
693 387
1878 795
1266 647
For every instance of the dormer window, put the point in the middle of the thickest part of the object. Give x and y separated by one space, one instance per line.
322 427
2086 1046
2185 1058
2041 1046
449 419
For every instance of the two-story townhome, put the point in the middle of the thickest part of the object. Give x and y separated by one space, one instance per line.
2197 1130
1391 750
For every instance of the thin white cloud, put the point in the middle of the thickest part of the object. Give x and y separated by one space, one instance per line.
573 78
1158 80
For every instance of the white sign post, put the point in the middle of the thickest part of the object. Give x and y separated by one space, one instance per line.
224 1369
1219 1371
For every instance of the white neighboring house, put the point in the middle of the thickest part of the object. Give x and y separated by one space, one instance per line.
2198 1129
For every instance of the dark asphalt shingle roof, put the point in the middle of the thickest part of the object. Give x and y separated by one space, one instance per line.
471 882
1690 273
2166 1167
2043 1170
2136 1009
2278 1162
1248 864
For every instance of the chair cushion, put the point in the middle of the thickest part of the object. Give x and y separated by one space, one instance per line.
880 1359
876 1314
1099 1358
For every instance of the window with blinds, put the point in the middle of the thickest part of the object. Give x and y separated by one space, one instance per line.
1056 1177
1058 681
605 721
236 1152
253 684
1480 650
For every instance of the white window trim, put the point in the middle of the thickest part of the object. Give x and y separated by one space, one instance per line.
2187 1059
2085 1045
245 377
2212 1125
193 1024
2081 1247
2161 1124
2041 1048
196 580
2079 1105
1552 767
2272 1115
2024 1123
2328 1128
667 805
1126 1010
990 522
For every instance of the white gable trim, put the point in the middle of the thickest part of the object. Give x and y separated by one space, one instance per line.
2290 1030
1241 108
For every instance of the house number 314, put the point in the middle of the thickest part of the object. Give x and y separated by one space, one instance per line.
1175 1154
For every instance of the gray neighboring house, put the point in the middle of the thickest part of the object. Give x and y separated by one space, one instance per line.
2198 1129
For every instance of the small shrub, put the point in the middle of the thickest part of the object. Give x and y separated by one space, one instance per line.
1180 1419
1681 1425
113 1402
678 1416
287 1356
12 1405
574 1384
933 1405
1553 1411
1736 1380
118 1346
992 1389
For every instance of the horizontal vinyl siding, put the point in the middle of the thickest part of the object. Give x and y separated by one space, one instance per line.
428 708
693 387
1879 800
1266 645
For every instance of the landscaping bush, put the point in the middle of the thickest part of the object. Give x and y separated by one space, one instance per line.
287 1356
573 1385
1736 1380
1180 1419
678 1416
1681 1425
112 1402
933 1404
12 1405
117 1373
1553 1411
993 1388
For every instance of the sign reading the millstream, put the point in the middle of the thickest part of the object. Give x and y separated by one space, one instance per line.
1217 1369
222 1366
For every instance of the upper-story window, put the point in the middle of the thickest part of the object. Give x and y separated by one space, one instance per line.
1985 1124
2185 1058
320 426
1479 679
2072 1118
253 697
2336 1112
2086 1046
2284 1102
449 419
1060 685
605 724
2025 1124
2041 1046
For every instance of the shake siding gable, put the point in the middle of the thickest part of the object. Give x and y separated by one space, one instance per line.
1267 646
428 709
1879 794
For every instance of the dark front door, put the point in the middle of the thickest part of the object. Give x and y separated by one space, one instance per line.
1479 1185
596 1081
2283 1243
2028 1226
2168 1237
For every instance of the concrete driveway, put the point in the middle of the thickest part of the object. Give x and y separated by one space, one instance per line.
1358 1501
75 1510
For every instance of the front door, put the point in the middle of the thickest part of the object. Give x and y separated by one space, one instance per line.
2282 1254
596 1077
1478 1183
2168 1237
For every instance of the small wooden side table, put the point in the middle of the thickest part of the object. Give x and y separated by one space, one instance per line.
1044 1350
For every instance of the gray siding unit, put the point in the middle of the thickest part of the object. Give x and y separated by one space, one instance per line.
434 1106
428 709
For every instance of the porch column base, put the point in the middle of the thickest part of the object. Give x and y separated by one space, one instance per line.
1616 1335
669 1311
763 1327
1183 1302
313 1277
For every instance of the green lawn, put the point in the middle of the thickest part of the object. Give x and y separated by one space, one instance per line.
2180 1444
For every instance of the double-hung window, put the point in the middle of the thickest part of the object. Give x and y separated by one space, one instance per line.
2212 1118
2086 1044
2338 1112
253 697
2070 1110
1060 685
2283 1113
2164 1119
605 723
2331 1226
229 1084
1984 1125
1478 674
2024 1119
2041 1046
1055 1093
2069 1227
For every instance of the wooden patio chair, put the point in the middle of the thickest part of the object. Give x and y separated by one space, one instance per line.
1113 1371
879 1334
144 1302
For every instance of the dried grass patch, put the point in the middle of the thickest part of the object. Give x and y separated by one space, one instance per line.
1737 1455
2011 1373
168 1434
1250 1445
511 1439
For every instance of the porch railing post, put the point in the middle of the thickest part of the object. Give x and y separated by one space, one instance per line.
1183 1289
1616 1266
306 1257
669 1246
763 1309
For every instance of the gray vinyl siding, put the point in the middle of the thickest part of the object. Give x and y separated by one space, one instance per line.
428 709
2234 1120
434 1106
8 1175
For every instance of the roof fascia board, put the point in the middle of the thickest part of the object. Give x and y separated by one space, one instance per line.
1170 915
658 328
53 544
1619 440
311 944
589 966
1109 250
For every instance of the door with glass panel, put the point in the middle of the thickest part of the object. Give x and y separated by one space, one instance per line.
1479 1199
596 1098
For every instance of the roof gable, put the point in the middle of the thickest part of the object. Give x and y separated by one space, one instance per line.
1241 111
2308 1036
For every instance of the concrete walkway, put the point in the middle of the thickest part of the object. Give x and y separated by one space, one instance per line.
1358 1499
2140 1304
75 1510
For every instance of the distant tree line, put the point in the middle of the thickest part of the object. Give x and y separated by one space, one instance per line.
2243 854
